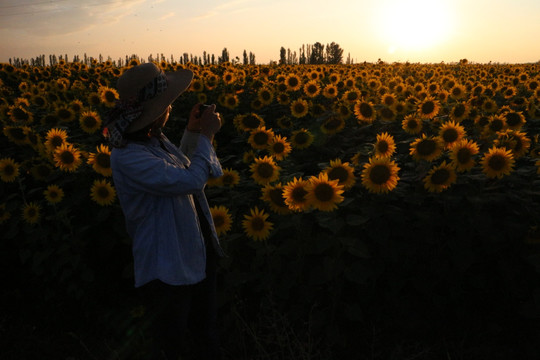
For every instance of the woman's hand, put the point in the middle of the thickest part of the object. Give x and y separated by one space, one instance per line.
194 122
210 122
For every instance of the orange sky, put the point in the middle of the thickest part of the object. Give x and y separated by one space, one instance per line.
424 31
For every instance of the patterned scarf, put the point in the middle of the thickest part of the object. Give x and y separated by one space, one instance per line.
125 112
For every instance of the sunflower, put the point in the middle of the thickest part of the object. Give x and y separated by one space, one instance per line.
248 122
17 134
330 91
248 157
450 132
351 96
342 172
260 138
9 169
301 139
324 194
273 196
440 177
67 157
265 95
222 219
497 162
102 192
496 123
299 108
311 89
333 125
514 119
90 121
228 77
41 171
294 193
293 82
53 194
380 175
256 226
101 160
197 85
55 138
385 145
516 141
428 108
387 114
264 170
284 122
283 98
279 147
31 213
426 148
64 113
94 99
412 124
19 114
489 105
389 100
230 177
231 101
459 112
462 154
457 92
365 111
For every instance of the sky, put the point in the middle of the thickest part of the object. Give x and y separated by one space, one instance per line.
424 31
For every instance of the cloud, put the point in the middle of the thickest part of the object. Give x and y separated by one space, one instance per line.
230 7
63 17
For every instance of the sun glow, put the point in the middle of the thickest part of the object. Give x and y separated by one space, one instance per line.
414 25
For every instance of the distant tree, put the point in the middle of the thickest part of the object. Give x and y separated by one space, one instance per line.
245 58
282 56
186 57
251 58
303 58
224 56
213 59
334 54
317 54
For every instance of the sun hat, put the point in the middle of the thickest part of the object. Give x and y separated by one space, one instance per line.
145 92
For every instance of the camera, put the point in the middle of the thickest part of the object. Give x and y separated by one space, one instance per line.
202 108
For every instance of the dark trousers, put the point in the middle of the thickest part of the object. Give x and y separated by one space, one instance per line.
183 319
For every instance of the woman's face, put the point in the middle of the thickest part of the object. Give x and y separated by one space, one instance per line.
162 120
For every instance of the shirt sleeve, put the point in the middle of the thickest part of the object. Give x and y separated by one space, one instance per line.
145 171
188 145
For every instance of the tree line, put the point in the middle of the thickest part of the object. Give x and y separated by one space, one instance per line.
316 53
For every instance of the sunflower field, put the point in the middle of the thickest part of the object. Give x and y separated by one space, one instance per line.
368 211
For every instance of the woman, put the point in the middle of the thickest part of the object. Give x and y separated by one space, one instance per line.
160 189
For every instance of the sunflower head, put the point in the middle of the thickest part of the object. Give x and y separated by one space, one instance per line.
222 219
440 177
324 194
264 170
102 192
380 175
256 225
273 196
497 162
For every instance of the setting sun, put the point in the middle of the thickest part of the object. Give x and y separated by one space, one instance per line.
416 25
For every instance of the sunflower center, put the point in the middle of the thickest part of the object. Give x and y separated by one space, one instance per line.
102 192
64 114
89 121
67 157
31 212
426 147
251 122
299 194
265 170
17 133
450 135
20 114
260 138
338 173
324 192
257 224
227 179
366 110
332 124
301 138
497 162
299 107
379 174
513 119
440 176
219 221
53 194
382 146
428 107
109 96
459 110
496 125
463 156
9 170
412 124
278 148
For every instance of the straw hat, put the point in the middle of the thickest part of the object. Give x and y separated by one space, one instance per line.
161 90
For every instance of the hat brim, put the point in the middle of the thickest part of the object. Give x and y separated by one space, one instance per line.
177 83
